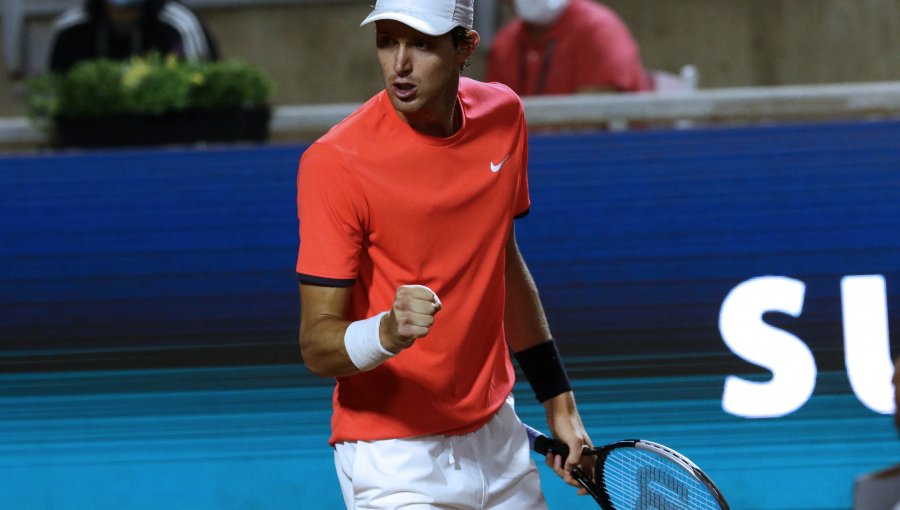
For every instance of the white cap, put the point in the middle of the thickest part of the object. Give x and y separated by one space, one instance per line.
432 17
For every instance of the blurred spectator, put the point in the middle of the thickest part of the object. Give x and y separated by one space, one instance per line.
119 29
881 490
565 47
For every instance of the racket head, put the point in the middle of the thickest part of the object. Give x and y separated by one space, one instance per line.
636 474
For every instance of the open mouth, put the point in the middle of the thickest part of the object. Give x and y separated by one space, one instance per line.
404 90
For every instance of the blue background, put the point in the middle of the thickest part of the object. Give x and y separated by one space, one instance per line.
148 316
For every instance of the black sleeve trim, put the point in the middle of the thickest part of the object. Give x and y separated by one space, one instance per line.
326 282
522 214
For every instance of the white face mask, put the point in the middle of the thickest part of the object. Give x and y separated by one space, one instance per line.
540 12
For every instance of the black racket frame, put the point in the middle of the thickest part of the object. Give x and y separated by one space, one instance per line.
596 488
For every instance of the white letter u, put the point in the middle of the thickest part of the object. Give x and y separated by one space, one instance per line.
867 349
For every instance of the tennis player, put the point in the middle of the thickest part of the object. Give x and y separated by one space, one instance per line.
413 289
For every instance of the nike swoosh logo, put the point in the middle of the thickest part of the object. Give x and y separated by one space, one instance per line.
496 168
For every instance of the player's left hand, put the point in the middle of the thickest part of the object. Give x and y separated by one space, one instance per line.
565 425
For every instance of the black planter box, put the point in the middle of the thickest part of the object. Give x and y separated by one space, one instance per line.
188 127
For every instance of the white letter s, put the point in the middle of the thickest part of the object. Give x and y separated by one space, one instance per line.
786 356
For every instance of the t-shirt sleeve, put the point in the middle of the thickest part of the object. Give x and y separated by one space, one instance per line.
523 199
331 211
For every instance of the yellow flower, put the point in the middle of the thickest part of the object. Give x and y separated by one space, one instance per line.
171 61
135 73
197 79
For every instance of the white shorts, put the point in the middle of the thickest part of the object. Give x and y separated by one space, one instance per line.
490 468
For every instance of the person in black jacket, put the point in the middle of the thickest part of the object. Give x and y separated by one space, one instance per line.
120 29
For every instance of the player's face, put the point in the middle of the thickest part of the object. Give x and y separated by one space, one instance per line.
420 72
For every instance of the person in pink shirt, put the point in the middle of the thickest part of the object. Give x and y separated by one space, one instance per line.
566 47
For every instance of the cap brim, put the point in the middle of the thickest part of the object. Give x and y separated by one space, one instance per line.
426 27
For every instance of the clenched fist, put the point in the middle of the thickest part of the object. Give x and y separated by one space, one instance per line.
411 317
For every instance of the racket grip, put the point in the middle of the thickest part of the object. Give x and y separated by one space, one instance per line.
545 445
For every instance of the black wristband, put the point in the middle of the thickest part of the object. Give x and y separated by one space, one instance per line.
544 370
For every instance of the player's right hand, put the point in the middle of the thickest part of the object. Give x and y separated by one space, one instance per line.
411 317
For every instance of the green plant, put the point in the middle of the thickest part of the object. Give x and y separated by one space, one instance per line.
154 85
92 89
229 84
150 85
42 101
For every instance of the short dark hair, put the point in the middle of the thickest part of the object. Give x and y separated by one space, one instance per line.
460 36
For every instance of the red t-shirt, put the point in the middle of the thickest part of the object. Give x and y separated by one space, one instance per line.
382 205
587 46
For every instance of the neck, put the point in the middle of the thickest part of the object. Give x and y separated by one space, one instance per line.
439 125
441 120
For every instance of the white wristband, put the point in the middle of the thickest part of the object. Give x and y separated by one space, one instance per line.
363 342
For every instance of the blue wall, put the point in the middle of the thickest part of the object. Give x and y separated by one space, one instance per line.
148 313
149 250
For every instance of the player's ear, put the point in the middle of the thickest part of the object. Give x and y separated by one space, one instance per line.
472 40
465 50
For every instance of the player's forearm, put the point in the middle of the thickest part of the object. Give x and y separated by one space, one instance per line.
561 405
333 347
524 318
322 346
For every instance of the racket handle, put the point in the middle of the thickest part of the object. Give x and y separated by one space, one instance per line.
543 445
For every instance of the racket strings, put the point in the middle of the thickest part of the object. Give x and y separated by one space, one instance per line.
637 479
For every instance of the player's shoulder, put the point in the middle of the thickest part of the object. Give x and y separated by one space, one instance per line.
489 97
322 166
323 156
360 125
345 138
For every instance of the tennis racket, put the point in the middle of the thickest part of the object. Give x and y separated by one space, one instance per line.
636 474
